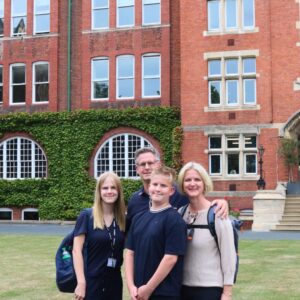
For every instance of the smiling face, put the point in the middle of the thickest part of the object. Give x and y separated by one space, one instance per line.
193 184
160 190
109 191
146 163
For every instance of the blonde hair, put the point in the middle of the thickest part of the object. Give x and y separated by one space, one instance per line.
119 205
165 171
208 184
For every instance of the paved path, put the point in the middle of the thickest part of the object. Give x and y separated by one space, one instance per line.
56 229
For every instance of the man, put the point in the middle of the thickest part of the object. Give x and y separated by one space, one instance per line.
146 160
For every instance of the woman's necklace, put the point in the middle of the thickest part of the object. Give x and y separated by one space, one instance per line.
192 217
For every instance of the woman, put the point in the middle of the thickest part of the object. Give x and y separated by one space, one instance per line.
100 234
208 271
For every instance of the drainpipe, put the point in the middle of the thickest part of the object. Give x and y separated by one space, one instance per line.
69 56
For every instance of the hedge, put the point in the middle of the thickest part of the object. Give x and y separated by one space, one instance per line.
68 139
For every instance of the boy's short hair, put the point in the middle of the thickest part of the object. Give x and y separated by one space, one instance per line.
165 171
143 150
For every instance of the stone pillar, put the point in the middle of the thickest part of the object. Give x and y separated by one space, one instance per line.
268 208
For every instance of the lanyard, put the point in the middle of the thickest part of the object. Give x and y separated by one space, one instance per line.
112 237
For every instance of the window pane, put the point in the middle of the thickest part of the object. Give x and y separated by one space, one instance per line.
213 15
19 25
231 66
249 91
1 78
42 6
152 87
214 92
249 65
42 92
1 8
126 16
1 94
41 72
42 23
151 14
125 88
215 142
151 65
100 90
18 74
232 91
251 163
100 69
250 141
125 67
19 7
214 68
231 14
232 142
233 164
100 3
100 18
31 215
215 164
5 215
19 92
248 13
1 26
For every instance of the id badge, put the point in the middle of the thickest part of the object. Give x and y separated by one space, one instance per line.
111 262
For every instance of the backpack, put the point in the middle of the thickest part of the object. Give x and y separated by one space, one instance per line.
66 280
236 227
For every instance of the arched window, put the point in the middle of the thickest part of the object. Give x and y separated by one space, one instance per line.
22 158
6 214
30 214
117 154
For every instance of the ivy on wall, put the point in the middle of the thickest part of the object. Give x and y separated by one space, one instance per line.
68 139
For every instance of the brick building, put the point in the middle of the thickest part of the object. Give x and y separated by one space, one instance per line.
230 65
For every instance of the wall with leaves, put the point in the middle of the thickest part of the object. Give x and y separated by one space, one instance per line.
68 139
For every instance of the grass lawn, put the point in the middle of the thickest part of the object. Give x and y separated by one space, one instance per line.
269 270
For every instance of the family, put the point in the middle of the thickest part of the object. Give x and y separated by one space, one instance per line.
163 261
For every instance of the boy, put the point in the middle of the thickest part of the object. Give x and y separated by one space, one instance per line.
156 244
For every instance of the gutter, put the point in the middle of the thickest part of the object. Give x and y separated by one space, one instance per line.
69 56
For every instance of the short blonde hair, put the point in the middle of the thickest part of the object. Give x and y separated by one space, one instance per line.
165 171
119 206
208 184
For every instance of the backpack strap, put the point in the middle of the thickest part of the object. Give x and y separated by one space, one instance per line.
182 210
211 216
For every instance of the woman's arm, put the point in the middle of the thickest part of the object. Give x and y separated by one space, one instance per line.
79 266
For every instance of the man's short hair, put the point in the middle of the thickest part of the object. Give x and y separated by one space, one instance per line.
143 150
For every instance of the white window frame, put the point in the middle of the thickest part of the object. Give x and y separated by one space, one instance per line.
104 79
222 17
42 82
1 84
109 142
5 209
242 151
19 161
29 209
125 77
157 76
148 3
24 15
11 84
2 15
42 13
98 8
120 6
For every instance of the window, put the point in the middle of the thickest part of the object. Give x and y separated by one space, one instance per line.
6 214
100 14
232 81
19 17
22 158
30 214
1 85
40 82
1 17
18 84
100 78
151 12
41 16
117 154
125 76
125 13
231 155
151 75
228 15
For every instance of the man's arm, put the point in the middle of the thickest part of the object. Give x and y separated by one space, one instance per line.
166 265
129 273
222 208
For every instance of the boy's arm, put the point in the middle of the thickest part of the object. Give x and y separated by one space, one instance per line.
166 265
222 208
129 272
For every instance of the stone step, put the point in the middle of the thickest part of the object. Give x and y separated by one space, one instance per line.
286 228
289 219
291 210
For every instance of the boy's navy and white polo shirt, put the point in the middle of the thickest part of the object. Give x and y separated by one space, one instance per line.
139 201
151 236
99 244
